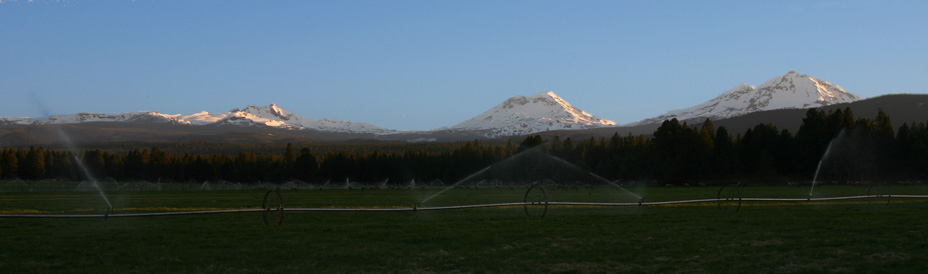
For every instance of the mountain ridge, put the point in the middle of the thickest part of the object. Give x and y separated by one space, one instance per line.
516 116
271 116
902 108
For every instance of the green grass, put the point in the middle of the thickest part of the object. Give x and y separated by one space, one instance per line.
847 236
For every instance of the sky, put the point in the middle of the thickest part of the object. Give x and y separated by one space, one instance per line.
419 65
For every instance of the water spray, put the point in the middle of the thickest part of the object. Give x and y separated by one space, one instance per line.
618 186
72 148
452 185
90 177
824 156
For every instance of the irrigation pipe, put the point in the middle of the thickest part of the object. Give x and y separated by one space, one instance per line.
117 215
109 214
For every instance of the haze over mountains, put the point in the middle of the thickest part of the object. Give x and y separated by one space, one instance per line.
516 116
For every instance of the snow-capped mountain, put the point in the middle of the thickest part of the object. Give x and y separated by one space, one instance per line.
270 116
792 90
526 115
274 116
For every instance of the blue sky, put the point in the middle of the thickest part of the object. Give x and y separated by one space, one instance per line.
419 65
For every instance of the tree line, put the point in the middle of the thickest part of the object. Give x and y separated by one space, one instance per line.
857 149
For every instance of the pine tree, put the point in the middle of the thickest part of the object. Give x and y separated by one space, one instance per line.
9 163
34 166
531 142
723 153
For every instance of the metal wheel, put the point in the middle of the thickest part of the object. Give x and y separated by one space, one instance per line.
719 198
279 209
881 192
533 203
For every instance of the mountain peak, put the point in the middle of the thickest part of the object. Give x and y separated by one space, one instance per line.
796 90
792 90
275 109
520 115
744 86
545 94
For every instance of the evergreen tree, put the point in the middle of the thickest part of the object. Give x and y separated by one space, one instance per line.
811 140
677 148
723 153
94 162
34 166
307 168
530 142
10 164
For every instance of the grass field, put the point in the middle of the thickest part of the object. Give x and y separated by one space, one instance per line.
761 237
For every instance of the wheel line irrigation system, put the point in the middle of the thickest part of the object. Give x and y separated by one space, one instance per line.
267 209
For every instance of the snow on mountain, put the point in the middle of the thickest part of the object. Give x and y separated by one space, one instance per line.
270 116
792 90
526 115
199 118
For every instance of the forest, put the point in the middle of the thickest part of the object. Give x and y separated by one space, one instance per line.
858 149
